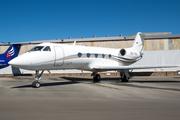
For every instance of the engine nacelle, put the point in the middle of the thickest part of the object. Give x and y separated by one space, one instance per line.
129 53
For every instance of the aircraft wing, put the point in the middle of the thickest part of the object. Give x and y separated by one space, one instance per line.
106 68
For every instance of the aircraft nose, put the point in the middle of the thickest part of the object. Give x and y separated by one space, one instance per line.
17 62
14 62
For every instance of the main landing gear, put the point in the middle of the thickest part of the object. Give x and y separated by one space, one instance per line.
125 76
96 77
36 83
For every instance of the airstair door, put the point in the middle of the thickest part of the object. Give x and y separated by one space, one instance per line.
59 56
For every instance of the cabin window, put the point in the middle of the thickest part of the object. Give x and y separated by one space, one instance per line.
88 55
36 48
96 55
103 55
47 48
79 54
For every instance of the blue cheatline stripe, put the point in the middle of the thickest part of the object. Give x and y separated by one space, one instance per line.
120 59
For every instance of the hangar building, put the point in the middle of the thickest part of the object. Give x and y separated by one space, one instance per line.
156 45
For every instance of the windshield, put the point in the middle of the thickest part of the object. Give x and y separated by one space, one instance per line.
36 48
47 48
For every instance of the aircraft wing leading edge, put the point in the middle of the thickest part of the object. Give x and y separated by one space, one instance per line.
107 68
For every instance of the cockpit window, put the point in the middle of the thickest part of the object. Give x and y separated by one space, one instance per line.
47 48
36 48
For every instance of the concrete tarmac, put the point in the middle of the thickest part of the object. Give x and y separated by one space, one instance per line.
77 98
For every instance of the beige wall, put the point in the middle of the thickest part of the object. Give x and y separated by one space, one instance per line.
176 44
155 45
149 45
3 49
25 48
108 44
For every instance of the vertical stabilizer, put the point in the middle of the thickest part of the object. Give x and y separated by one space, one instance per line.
138 42
12 51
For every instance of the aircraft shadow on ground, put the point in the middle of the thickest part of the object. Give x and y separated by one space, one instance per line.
149 87
128 84
153 81
47 84
77 79
70 80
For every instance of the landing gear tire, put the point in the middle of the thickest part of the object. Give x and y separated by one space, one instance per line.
36 84
97 78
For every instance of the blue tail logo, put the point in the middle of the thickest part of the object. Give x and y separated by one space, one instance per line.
10 53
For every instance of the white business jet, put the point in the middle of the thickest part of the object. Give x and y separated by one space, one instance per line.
51 56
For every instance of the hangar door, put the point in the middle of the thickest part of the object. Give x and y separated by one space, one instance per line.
59 56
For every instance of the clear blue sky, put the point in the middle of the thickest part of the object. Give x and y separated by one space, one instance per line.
32 20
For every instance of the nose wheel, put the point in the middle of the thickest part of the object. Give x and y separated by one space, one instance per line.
36 83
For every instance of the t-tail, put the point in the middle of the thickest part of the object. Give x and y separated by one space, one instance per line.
11 53
138 42
135 52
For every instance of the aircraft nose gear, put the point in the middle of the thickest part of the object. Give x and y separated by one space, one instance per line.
36 83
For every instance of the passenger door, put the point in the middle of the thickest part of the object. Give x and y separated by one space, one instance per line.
59 56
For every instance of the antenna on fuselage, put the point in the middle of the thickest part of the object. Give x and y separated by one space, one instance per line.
74 43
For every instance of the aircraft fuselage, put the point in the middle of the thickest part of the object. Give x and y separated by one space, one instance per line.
62 56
